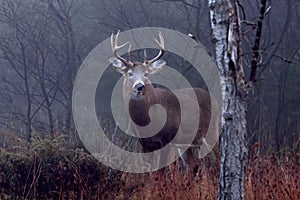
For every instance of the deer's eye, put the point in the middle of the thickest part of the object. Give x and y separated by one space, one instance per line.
130 74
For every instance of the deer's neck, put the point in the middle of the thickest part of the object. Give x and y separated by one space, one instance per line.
139 105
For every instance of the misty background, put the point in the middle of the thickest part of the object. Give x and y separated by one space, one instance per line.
43 43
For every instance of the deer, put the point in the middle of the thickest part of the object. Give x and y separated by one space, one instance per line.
140 96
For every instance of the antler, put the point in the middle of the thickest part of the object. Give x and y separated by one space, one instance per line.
115 47
161 45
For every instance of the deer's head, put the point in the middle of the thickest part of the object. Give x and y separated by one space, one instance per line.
136 73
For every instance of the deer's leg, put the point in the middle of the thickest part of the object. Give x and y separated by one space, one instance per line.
183 157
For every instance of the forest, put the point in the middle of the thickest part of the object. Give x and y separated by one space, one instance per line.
42 46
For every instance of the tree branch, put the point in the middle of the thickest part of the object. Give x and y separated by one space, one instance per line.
256 46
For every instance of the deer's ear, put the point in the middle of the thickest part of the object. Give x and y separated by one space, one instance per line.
157 66
117 65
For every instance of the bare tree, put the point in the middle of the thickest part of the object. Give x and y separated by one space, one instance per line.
27 54
228 36
38 48
226 26
63 12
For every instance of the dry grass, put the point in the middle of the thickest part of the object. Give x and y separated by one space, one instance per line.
48 171
173 184
271 178
266 178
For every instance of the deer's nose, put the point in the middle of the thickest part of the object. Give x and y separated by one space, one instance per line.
139 87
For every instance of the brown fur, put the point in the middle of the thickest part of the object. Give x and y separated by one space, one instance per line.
140 96
139 114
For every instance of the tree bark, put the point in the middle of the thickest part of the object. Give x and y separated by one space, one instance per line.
226 35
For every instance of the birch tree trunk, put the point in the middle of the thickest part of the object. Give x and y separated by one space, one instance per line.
226 35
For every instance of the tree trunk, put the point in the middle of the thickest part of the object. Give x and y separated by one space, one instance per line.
64 22
226 36
28 125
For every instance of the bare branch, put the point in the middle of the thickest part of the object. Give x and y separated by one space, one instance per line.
256 46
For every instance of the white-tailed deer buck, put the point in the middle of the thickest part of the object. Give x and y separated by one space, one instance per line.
140 95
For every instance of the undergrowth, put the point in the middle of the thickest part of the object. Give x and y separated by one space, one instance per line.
47 170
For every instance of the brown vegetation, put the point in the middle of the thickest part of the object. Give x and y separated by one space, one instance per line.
47 170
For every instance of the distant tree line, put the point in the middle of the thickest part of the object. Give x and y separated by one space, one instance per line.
43 42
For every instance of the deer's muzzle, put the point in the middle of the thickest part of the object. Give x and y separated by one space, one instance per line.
138 88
